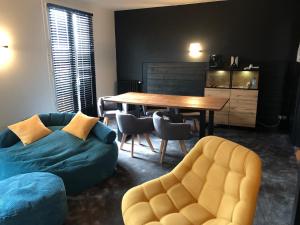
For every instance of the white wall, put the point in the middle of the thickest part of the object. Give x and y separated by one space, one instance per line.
26 84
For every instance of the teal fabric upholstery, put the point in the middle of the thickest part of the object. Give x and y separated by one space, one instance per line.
103 133
81 164
34 198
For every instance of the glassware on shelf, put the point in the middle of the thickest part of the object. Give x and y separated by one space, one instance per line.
245 79
218 79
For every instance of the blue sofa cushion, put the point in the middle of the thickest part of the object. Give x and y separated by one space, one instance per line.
34 198
56 119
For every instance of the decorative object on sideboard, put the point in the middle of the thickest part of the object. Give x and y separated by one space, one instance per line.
234 62
215 61
251 67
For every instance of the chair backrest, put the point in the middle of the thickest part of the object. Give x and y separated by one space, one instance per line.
105 105
126 122
160 124
224 178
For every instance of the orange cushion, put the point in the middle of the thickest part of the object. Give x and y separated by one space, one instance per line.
30 130
81 125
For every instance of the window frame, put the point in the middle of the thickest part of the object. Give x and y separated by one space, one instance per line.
92 76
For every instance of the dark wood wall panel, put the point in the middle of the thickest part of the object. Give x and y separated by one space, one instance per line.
175 78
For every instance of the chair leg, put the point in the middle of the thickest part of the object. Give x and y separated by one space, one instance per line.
163 148
194 125
197 123
139 139
149 141
124 136
183 147
132 145
106 121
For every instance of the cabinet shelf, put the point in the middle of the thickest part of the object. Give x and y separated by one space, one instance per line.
233 79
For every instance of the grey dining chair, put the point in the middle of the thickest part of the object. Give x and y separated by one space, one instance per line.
107 109
131 125
167 130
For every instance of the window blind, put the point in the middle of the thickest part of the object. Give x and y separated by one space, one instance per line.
71 35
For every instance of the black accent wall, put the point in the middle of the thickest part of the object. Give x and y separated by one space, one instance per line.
261 32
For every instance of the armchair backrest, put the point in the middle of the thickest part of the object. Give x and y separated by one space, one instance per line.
223 177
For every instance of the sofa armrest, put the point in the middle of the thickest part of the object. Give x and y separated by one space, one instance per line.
104 133
8 138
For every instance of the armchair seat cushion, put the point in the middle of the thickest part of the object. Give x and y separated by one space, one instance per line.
215 184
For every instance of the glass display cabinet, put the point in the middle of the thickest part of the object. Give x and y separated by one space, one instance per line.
241 87
218 79
245 79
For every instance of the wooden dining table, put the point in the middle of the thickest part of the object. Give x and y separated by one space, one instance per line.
193 103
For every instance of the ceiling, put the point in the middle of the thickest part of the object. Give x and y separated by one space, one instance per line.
138 4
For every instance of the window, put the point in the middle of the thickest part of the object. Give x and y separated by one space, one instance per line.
72 44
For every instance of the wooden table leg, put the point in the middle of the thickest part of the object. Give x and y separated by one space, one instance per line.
202 124
211 122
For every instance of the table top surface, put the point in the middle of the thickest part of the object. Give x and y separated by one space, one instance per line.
171 101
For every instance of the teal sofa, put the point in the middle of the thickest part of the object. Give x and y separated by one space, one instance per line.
81 164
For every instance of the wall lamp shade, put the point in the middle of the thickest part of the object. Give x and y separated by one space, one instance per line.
195 50
5 55
5 51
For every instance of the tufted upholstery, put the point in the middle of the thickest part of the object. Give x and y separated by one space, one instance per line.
215 184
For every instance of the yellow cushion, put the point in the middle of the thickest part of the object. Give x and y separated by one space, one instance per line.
216 184
30 130
81 125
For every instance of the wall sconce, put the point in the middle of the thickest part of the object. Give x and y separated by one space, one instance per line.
5 52
195 50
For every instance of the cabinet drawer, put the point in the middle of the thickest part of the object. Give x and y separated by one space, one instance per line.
243 106
221 118
217 92
244 94
243 101
242 119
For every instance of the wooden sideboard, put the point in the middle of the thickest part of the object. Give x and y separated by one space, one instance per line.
240 110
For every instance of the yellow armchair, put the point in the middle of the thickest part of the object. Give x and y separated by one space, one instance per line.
215 184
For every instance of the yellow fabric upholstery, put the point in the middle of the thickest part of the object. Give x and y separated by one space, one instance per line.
81 125
30 130
216 184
